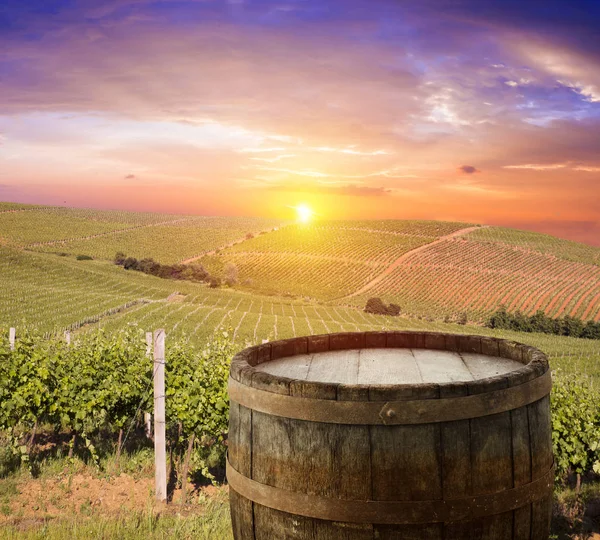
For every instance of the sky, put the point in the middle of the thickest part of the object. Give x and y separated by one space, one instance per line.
484 112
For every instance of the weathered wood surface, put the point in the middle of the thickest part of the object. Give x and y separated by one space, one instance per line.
437 461
388 366
160 448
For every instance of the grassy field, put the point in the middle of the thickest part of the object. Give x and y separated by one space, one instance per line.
438 270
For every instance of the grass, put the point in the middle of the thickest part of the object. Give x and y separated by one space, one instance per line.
212 522
576 515
69 498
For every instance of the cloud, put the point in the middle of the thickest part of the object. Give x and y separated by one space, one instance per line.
130 177
201 93
304 172
586 168
261 150
352 190
541 167
351 151
468 169
274 159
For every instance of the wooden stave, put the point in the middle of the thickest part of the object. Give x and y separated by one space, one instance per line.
531 523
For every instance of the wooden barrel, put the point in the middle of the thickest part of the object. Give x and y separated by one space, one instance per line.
390 435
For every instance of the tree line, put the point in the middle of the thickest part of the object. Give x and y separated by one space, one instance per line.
540 322
188 272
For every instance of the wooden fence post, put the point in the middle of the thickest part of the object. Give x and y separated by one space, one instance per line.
147 415
11 338
160 451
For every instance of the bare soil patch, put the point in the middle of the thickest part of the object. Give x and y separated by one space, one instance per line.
66 496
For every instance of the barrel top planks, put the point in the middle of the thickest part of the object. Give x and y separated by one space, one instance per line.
390 366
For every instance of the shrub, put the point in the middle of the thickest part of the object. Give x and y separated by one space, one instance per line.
190 272
540 322
214 282
130 263
231 274
394 310
84 258
376 306
100 383
575 426
463 318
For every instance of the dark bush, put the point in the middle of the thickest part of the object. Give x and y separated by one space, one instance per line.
214 283
84 258
394 310
190 272
131 263
540 322
231 274
376 306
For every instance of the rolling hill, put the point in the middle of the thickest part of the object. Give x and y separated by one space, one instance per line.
293 279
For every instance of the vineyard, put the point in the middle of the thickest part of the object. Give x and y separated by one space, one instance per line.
100 234
290 280
326 260
531 242
435 271
474 277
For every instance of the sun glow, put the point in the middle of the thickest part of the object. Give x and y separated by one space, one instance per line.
304 213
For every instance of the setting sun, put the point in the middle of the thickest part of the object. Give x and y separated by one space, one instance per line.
304 213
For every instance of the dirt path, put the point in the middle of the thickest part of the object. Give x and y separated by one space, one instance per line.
231 244
405 256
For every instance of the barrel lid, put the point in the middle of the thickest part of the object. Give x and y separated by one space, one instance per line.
389 366
394 365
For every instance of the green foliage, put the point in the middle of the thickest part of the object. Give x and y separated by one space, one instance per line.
575 426
84 258
376 306
101 382
189 272
540 322
196 386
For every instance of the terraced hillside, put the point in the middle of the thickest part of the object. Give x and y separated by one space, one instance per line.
488 267
54 293
292 279
100 234
326 260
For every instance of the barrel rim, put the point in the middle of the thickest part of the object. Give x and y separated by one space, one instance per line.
535 364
